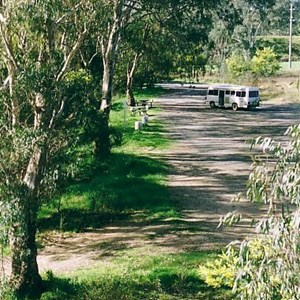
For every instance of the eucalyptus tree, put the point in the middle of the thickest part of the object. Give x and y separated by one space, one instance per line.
39 40
137 38
253 17
113 19
164 31
146 49
225 20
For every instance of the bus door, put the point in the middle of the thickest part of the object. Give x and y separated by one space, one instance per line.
221 98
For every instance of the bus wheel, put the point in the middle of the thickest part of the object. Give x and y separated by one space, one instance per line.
234 106
212 104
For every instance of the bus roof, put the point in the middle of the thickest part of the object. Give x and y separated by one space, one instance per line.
231 86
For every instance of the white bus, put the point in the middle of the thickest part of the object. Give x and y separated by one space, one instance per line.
234 96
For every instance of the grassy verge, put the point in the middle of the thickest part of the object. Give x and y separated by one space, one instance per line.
135 276
294 67
128 181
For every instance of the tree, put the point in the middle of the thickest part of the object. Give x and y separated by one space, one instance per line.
253 17
137 46
39 40
115 16
279 18
112 17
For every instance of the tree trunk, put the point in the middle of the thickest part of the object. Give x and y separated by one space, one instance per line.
102 142
109 48
129 92
130 75
25 274
107 83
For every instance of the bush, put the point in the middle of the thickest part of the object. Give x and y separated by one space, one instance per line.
238 66
265 63
220 272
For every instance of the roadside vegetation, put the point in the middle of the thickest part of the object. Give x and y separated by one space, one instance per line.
135 276
123 183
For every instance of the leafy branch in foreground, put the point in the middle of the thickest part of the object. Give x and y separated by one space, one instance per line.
268 266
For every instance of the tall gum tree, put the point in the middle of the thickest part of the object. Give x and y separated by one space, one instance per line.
115 16
39 40
254 16
177 24
112 17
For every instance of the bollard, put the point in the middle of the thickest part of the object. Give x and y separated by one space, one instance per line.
138 125
145 120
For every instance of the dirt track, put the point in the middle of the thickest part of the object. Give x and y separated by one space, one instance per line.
211 158
209 163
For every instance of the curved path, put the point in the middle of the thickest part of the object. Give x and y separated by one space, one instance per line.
209 163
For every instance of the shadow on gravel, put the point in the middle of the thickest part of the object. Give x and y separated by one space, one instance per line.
212 160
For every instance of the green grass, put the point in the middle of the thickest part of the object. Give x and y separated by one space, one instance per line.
127 182
137 276
136 142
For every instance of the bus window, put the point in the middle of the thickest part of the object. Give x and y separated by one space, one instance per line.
213 92
232 93
241 94
227 92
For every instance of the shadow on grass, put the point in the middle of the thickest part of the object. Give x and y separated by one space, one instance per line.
121 186
160 283
61 288
79 220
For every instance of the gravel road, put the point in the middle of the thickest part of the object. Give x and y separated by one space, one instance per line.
211 158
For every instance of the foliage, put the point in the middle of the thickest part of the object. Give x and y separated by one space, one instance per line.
221 271
38 46
268 267
278 18
132 276
264 63
237 65
98 193
280 46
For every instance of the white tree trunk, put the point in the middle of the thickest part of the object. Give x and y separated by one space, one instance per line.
109 47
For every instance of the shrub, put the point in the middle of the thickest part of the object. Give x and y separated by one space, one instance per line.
237 65
264 63
220 272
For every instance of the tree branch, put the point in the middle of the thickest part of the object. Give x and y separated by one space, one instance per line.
70 56
7 47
